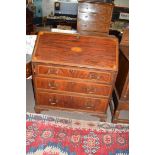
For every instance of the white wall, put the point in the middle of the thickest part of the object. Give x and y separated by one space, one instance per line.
48 5
30 42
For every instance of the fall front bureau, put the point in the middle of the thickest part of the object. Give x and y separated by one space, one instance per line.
74 72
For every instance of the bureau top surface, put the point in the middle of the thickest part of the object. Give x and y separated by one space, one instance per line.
76 50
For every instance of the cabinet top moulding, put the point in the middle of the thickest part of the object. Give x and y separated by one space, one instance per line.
82 51
96 2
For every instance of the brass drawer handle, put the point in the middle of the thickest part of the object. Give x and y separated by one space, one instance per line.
72 71
52 71
94 76
89 105
91 90
52 85
53 101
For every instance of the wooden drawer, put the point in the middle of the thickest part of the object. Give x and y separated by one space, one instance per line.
92 26
89 17
105 77
94 8
48 99
72 86
72 102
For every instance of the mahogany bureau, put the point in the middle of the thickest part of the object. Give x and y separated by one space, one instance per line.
74 72
94 17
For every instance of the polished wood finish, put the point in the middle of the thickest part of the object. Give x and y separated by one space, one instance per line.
70 73
94 17
72 102
75 49
73 86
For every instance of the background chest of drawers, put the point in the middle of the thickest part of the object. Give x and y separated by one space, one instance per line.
121 89
94 18
70 73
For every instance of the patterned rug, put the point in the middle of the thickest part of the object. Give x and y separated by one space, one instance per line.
49 135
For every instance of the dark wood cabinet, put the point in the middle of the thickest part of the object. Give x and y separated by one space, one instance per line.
121 90
70 73
29 22
94 17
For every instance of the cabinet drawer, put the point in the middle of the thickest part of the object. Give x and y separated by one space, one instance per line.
89 17
92 26
72 86
94 8
105 77
47 99
72 102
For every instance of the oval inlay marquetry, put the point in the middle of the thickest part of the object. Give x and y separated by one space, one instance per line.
76 49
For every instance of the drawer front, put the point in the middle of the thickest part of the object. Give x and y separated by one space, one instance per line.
72 102
88 17
71 86
47 99
92 26
105 77
94 8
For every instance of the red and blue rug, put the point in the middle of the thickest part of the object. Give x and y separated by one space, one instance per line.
49 135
